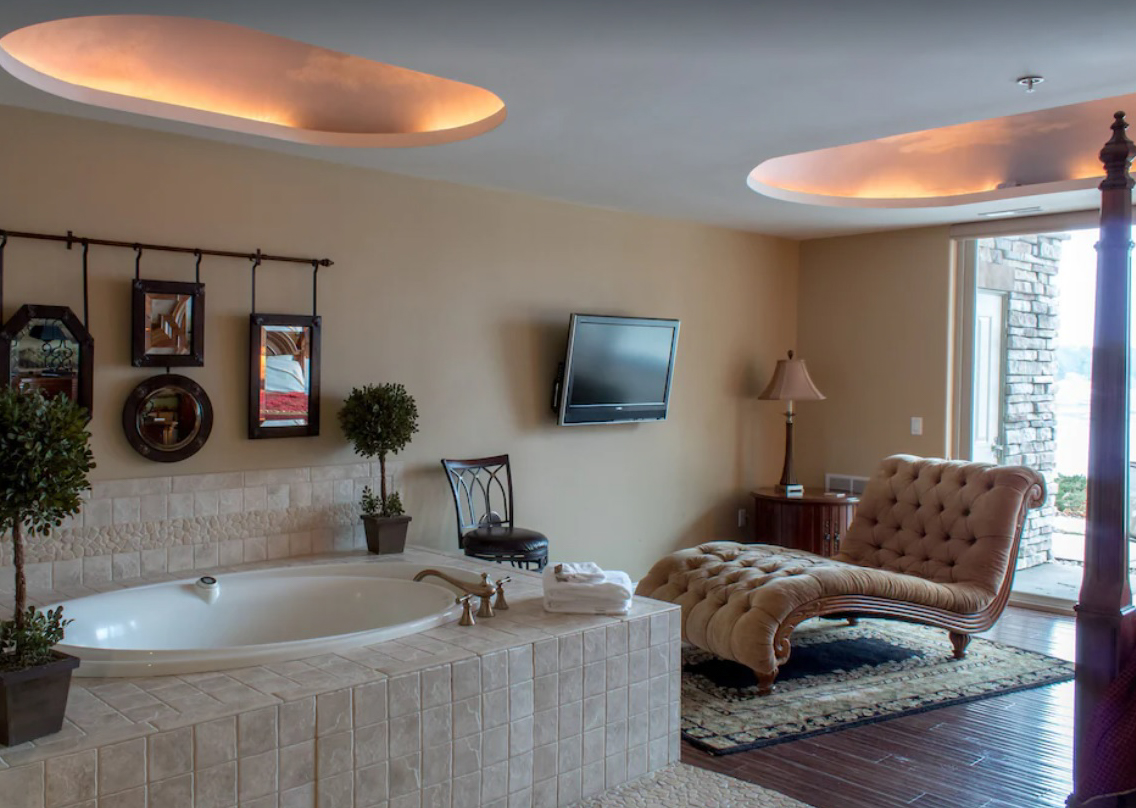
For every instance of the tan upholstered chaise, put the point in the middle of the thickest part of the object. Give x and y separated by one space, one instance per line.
933 541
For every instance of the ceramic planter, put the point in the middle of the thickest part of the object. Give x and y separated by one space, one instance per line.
33 700
386 534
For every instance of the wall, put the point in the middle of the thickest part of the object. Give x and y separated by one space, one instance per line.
874 327
461 294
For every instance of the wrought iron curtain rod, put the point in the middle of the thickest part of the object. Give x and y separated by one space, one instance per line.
71 240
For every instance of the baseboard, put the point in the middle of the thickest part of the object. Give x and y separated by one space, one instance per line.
1042 603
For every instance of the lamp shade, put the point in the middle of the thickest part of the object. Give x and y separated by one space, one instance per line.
791 382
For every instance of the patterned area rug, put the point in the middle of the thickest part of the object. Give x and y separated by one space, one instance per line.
842 676
683 786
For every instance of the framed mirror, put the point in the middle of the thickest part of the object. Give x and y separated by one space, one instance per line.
47 348
168 324
167 418
284 376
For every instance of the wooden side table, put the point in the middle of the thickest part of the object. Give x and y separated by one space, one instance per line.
813 522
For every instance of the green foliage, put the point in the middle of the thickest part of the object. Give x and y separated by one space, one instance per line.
27 645
374 505
46 459
1071 494
379 419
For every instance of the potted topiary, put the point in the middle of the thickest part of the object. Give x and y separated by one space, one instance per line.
380 420
45 461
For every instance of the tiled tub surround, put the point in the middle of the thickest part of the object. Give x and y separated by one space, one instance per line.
524 709
132 529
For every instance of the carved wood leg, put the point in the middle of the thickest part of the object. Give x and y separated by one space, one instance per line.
765 683
853 621
959 642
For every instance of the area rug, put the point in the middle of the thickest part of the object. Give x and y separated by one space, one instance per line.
683 786
842 676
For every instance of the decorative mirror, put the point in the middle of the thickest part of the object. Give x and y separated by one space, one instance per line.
167 418
47 348
168 324
284 374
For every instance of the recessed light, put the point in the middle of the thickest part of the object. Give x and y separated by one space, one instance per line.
1012 212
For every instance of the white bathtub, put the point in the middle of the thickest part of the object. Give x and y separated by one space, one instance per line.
256 617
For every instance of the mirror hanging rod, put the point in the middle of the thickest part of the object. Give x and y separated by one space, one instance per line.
71 238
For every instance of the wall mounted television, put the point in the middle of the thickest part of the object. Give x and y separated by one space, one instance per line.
617 369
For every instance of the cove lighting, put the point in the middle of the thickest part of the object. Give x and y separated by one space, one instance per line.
230 77
1035 153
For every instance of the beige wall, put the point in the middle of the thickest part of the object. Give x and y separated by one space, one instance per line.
874 325
461 294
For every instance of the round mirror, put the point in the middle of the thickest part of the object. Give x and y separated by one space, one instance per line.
167 418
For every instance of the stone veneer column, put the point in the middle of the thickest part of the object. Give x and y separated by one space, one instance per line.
1024 267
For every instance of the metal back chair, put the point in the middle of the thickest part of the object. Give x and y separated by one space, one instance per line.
482 489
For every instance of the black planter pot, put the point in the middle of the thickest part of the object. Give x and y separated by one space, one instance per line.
33 700
386 534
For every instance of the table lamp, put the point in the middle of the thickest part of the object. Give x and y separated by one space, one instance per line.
790 383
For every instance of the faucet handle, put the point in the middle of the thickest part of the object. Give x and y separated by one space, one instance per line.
501 604
467 610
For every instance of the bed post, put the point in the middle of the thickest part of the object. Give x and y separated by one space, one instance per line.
1106 621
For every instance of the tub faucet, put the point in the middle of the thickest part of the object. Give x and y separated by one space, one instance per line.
484 589
208 588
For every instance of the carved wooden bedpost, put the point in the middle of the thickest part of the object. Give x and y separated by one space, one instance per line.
1106 621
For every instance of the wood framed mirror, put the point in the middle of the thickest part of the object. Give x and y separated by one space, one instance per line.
168 324
47 348
167 418
284 376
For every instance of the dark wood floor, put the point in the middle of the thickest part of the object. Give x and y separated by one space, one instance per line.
1011 751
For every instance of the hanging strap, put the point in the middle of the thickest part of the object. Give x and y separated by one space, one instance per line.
255 263
197 267
315 289
137 261
3 243
86 295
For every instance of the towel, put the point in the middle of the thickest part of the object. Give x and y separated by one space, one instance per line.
611 595
579 607
584 572
616 586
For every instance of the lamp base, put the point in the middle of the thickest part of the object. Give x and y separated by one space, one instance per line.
792 490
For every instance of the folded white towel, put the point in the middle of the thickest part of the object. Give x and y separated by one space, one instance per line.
581 607
616 587
582 572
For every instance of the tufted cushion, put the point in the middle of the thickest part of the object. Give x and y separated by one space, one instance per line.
929 532
945 521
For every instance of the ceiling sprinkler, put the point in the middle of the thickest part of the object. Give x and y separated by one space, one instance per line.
1030 82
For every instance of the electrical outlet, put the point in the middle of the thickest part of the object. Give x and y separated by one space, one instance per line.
916 425
743 517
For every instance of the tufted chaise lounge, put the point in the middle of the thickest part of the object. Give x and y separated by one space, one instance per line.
933 541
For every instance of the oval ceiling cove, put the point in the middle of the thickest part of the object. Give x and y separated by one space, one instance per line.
1047 151
230 77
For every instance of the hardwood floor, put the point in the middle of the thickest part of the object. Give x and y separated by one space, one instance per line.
1012 751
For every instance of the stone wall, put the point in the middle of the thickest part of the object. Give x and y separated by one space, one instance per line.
1025 268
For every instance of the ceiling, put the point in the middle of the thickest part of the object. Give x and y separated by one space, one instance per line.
663 107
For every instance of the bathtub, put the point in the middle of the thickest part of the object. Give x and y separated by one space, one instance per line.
252 618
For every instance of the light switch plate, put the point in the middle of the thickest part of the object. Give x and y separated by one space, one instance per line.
916 425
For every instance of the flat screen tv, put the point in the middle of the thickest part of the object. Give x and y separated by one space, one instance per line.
617 369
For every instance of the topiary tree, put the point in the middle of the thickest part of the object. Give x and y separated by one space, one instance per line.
44 462
380 420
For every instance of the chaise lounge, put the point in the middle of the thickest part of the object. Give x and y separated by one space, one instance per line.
933 541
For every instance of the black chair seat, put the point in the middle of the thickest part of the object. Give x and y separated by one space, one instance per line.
500 540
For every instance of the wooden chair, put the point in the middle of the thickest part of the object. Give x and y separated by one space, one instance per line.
483 499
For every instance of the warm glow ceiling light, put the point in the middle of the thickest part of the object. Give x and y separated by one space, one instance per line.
1031 154
230 77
